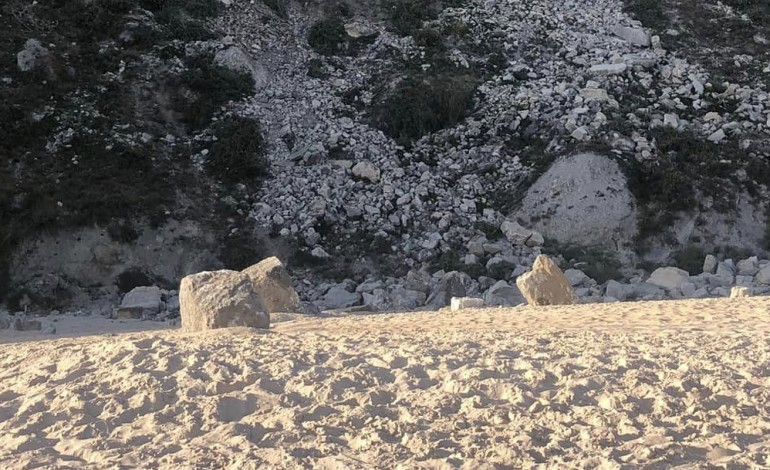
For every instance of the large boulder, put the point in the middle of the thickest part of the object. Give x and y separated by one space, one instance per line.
452 284
274 287
763 276
545 284
670 279
220 299
582 200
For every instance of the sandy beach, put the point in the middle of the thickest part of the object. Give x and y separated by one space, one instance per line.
680 384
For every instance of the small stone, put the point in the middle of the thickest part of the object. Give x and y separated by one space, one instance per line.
739 292
608 69
717 136
463 303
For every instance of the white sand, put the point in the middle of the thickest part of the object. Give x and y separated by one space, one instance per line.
641 385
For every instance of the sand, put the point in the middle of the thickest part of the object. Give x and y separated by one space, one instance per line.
638 385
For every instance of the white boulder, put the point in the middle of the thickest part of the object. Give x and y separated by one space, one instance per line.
220 299
545 284
670 279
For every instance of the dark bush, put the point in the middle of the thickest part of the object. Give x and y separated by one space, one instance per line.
407 16
423 104
133 277
328 36
238 155
212 86
691 259
279 7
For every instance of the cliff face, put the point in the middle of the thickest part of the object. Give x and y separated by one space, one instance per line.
141 140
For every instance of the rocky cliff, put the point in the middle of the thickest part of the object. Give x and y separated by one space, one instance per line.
141 140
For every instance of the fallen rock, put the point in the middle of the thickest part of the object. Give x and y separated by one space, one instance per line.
518 235
452 284
635 36
220 299
608 69
463 303
273 285
739 292
5 322
710 264
575 277
338 297
147 299
763 276
366 171
502 294
545 284
669 278
748 267
33 56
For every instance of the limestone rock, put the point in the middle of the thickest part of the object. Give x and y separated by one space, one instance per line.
452 284
220 299
710 264
502 294
633 35
608 69
463 303
367 171
575 277
338 297
146 299
518 235
763 276
748 267
273 285
582 200
669 278
5 322
33 55
740 291
233 58
545 284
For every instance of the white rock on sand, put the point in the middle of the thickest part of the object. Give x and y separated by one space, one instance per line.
634 385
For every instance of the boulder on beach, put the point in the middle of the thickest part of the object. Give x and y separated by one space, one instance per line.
220 299
273 285
546 284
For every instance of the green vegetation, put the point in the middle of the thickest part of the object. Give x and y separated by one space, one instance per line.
666 185
421 104
211 86
690 259
279 7
238 154
328 37
597 263
407 16
709 36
